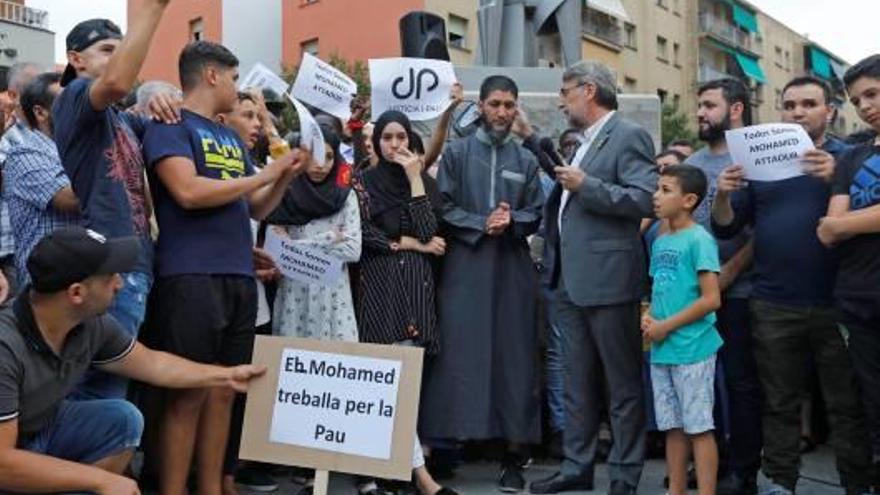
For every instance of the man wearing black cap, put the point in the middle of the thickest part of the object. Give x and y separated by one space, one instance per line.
48 338
99 147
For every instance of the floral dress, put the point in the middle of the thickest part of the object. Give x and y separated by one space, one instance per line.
315 311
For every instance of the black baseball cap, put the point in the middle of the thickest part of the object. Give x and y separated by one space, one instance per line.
86 34
73 254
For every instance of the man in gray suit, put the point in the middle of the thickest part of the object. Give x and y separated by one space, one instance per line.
598 271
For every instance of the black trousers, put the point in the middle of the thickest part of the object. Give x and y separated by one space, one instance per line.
784 338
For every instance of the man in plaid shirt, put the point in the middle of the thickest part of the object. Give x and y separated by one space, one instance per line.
19 76
37 189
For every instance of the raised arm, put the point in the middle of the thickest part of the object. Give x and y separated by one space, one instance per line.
438 139
122 70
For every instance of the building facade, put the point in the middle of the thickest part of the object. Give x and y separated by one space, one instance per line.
662 47
251 29
24 37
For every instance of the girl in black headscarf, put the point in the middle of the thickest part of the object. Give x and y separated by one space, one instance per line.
399 219
318 213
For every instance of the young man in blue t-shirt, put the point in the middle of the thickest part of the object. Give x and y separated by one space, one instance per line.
204 302
853 227
99 147
794 323
681 326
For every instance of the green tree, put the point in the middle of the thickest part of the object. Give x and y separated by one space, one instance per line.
674 125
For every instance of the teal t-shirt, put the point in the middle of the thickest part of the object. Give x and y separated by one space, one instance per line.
676 261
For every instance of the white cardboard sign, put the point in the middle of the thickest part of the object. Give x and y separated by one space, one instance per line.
336 402
323 86
305 265
263 77
769 152
418 87
310 132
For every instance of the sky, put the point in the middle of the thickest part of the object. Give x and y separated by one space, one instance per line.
848 29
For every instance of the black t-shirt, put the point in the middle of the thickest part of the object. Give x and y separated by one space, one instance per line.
858 176
33 378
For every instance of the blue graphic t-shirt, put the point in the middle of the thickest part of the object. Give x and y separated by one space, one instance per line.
858 176
677 258
212 241
101 153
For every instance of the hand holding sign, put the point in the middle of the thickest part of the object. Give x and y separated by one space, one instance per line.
417 87
769 152
732 178
819 163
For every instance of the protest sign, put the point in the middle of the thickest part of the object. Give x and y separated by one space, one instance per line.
305 265
769 152
334 406
310 134
323 86
418 87
263 77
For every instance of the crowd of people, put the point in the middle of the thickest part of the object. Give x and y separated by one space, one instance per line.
586 294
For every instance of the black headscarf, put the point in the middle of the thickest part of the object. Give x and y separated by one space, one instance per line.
305 200
387 184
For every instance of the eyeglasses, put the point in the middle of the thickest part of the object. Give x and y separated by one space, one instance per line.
563 91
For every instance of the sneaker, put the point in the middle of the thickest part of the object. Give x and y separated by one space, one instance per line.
255 479
774 489
512 480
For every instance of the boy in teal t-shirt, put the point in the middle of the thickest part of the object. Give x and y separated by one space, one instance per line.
681 326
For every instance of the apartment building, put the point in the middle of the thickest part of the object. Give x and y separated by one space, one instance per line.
24 37
663 47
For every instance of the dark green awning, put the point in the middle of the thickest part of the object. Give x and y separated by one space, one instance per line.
751 67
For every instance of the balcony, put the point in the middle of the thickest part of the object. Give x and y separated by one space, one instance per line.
23 15
602 26
707 73
726 31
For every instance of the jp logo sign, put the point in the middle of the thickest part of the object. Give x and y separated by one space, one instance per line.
415 83
415 86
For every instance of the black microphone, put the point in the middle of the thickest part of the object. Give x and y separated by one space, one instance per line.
549 148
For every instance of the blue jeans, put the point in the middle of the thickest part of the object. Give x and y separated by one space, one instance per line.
555 368
88 431
129 308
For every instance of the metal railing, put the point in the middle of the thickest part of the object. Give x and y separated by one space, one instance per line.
707 73
725 30
23 15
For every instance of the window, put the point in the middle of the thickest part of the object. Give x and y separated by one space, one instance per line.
676 101
778 59
630 39
629 85
663 4
310 47
662 49
778 101
196 29
675 51
787 60
675 7
458 29
662 94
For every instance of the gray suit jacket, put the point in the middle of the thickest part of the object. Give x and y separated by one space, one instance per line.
600 254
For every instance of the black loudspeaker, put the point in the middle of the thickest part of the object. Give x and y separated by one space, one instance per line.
423 35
